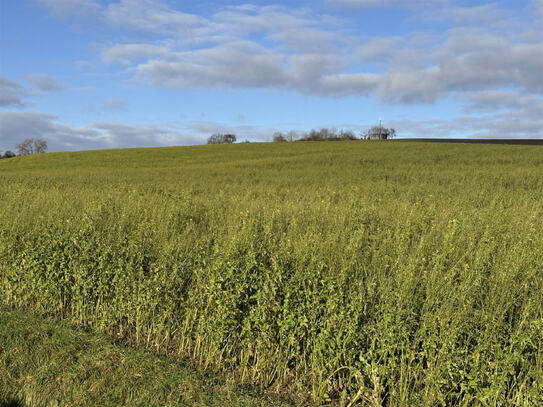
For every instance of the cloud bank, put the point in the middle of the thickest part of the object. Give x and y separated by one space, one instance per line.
485 57
11 94
487 48
97 135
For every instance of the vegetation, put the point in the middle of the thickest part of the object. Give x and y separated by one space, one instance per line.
27 147
323 134
7 154
47 363
394 274
31 146
221 139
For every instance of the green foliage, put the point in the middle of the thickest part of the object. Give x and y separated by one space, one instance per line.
322 134
221 139
375 273
7 154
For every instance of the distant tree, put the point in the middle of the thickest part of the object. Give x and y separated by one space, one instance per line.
7 154
323 134
213 139
279 137
31 146
229 138
292 135
379 133
347 135
328 135
315 135
221 139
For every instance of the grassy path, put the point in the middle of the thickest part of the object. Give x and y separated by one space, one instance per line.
44 362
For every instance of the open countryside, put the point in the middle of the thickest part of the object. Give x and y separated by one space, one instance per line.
272 203
378 273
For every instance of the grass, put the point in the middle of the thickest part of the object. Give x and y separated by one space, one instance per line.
378 273
50 363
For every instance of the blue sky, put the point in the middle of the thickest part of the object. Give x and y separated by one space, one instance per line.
89 74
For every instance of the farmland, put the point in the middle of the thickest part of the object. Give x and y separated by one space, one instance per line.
379 273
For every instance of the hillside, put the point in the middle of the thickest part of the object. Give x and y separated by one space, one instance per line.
379 273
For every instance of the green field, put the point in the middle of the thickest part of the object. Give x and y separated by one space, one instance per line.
373 273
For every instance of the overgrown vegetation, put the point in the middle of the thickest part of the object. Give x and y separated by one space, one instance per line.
395 274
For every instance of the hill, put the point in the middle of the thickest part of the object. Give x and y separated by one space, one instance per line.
376 273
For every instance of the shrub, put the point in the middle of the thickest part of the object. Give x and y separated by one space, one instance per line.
221 139
8 154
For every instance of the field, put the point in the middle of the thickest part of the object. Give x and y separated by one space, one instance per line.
371 273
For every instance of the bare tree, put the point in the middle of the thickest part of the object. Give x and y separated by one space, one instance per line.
292 135
31 146
278 137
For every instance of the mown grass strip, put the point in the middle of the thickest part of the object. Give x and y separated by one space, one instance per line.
44 362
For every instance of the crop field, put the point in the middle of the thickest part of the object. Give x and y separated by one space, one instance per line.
345 273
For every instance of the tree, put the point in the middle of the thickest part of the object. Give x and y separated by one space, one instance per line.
8 154
31 146
328 135
292 135
347 135
221 139
229 138
278 137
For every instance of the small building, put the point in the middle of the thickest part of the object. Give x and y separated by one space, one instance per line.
380 133
378 136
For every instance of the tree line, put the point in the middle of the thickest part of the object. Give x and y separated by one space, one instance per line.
27 147
323 134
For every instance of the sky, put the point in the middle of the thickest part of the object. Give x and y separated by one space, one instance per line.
96 74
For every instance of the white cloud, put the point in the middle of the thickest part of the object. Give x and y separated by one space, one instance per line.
44 82
242 64
388 3
72 7
150 16
11 93
488 49
115 104
128 53
305 54
499 115
16 126
380 48
491 101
